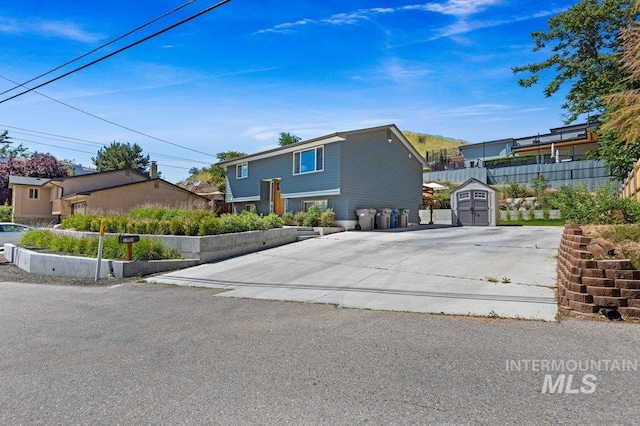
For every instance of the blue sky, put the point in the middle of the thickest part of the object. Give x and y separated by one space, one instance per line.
236 77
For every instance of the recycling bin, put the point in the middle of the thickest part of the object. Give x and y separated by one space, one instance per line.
383 219
403 219
365 219
393 218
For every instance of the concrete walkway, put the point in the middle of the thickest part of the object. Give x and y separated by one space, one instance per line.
504 271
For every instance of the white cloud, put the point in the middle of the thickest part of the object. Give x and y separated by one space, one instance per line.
49 28
459 8
347 18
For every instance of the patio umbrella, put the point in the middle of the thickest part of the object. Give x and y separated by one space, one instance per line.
434 186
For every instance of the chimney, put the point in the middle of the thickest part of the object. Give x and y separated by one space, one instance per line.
153 173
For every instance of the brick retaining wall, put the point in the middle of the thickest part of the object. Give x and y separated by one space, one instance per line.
586 284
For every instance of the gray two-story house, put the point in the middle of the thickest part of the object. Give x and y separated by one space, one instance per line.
368 168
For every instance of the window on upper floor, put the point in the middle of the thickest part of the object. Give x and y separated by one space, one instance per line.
33 193
242 170
308 161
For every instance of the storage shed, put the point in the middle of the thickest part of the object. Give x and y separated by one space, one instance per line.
474 204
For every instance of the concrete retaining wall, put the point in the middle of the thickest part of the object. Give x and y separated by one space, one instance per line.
196 250
216 247
73 266
440 216
538 214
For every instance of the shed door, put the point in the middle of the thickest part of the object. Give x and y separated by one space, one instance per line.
473 208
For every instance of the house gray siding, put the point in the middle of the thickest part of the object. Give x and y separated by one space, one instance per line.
281 167
378 174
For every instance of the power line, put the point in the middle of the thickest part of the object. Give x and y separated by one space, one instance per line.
99 47
63 138
190 18
87 152
114 123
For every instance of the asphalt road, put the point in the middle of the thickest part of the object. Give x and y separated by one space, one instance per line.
154 354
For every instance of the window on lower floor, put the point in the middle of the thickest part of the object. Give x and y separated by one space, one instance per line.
322 204
33 193
250 207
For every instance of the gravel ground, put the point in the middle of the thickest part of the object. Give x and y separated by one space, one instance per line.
11 273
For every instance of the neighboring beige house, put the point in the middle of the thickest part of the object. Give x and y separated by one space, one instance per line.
42 200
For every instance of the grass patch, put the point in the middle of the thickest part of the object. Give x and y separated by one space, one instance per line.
145 249
533 222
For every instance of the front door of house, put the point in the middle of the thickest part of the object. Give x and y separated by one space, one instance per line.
278 202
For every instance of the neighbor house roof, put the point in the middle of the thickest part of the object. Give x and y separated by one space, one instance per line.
101 173
89 192
323 140
26 180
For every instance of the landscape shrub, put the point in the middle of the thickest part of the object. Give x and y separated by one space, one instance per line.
298 218
520 215
328 218
145 249
272 221
604 207
163 221
5 212
209 226
312 216
288 218
515 190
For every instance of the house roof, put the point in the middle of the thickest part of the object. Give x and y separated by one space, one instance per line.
89 192
322 140
31 181
101 173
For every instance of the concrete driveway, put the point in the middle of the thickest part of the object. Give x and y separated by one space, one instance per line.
504 271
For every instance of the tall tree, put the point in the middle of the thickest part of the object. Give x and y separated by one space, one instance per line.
624 107
9 151
121 155
288 139
219 173
38 165
585 49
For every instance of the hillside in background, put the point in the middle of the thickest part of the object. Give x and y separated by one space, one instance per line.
423 142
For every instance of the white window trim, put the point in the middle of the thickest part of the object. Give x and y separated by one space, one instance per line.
315 151
315 202
250 207
463 196
239 170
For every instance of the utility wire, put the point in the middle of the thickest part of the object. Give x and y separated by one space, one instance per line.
62 138
87 152
114 123
190 18
99 47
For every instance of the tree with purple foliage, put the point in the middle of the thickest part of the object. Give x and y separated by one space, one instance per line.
38 165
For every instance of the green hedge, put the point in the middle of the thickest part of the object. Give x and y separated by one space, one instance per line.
145 249
163 221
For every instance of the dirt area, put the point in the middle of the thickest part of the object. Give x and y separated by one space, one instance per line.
624 238
11 273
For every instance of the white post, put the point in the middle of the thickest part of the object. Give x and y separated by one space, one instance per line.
100 246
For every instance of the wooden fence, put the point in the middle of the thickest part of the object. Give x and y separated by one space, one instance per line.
630 187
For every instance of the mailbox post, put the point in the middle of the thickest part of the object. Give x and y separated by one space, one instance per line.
128 240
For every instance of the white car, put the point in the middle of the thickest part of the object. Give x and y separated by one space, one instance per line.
11 232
